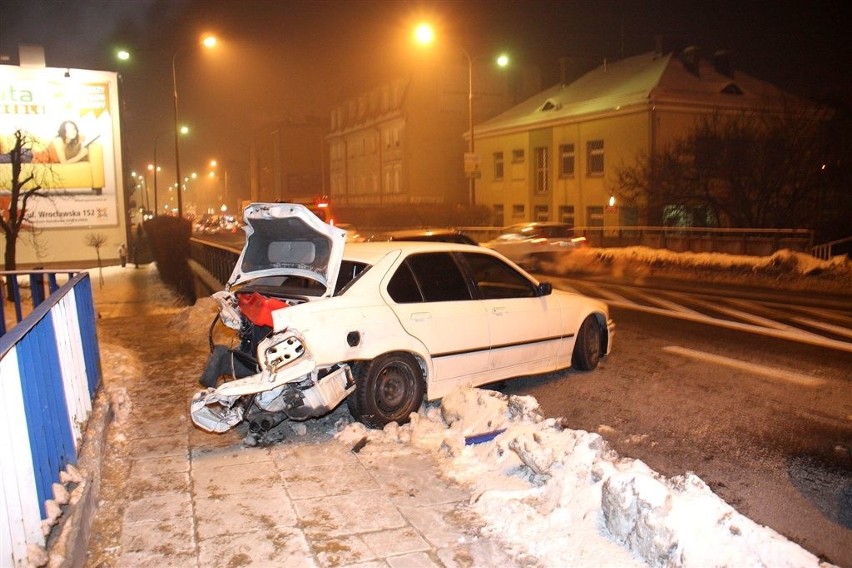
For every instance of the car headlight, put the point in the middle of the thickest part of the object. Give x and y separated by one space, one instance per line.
279 350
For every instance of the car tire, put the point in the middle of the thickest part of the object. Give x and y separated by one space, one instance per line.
387 389
587 348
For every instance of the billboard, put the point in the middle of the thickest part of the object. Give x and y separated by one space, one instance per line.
70 117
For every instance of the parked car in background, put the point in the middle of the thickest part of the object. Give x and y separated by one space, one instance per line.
426 235
530 244
383 325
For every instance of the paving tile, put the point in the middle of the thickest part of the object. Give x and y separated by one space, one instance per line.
159 538
439 524
153 422
152 560
344 550
281 547
413 480
158 446
227 455
239 478
141 485
242 513
153 465
394 542
322 481
158 507
413 560
290 456
347 514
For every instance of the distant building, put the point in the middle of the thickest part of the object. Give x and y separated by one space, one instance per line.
287 161
404 142
553 157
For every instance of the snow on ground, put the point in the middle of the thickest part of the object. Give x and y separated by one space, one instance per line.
564 496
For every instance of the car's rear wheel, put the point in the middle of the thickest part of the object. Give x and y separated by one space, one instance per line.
387 389
587 348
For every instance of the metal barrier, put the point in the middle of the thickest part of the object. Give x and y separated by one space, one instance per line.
826 251
49 372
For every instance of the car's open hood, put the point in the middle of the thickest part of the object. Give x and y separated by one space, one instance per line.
286 239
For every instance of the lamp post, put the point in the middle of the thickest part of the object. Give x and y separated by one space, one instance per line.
425 35
208 41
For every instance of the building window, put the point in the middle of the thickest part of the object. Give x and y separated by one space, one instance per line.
566 160
594 216
541 213
595 157
541 164
566 214
498 166
517 156
517 211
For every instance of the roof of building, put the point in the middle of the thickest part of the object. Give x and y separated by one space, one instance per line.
649 78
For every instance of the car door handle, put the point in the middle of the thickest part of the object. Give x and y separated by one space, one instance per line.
421 316
499 311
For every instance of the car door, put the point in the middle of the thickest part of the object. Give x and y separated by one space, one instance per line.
435 303
525 328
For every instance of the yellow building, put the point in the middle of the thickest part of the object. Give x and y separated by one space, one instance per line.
554 156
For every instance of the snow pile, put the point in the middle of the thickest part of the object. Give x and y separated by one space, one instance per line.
798 268
566 498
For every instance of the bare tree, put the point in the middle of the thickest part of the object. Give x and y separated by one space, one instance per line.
756 168
96 241
24 186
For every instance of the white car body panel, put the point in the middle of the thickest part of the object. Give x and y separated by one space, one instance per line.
455 343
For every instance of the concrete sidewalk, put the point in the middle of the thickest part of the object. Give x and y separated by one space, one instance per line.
173 495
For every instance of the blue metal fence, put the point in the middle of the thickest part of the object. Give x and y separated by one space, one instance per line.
49 372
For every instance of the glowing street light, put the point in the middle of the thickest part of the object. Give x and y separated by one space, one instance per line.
208 42
424 34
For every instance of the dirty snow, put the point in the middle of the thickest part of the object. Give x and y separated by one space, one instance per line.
564 496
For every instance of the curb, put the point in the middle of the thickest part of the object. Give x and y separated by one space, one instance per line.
68 547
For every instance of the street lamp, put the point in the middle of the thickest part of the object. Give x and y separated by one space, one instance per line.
424 34
208 41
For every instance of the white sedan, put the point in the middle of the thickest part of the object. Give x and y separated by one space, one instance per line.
381 324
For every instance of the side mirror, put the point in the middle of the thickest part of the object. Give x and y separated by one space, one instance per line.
545 289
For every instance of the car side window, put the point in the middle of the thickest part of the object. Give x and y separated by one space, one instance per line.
497 280
402 287
437 278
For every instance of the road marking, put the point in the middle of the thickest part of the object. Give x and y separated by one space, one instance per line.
839 330
667 304
769 372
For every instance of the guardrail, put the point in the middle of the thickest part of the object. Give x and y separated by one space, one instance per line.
49 372
826 251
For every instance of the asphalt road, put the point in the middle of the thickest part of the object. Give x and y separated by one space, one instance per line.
765 421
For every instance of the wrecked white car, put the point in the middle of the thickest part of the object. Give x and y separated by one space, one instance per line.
380 324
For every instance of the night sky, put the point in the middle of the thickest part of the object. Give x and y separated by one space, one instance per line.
280 59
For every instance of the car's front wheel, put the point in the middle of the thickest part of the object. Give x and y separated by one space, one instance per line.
587 348
387 389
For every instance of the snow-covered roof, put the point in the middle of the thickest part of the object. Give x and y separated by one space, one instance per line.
649 78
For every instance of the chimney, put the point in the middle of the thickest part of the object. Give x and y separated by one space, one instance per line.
722 63
690 56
